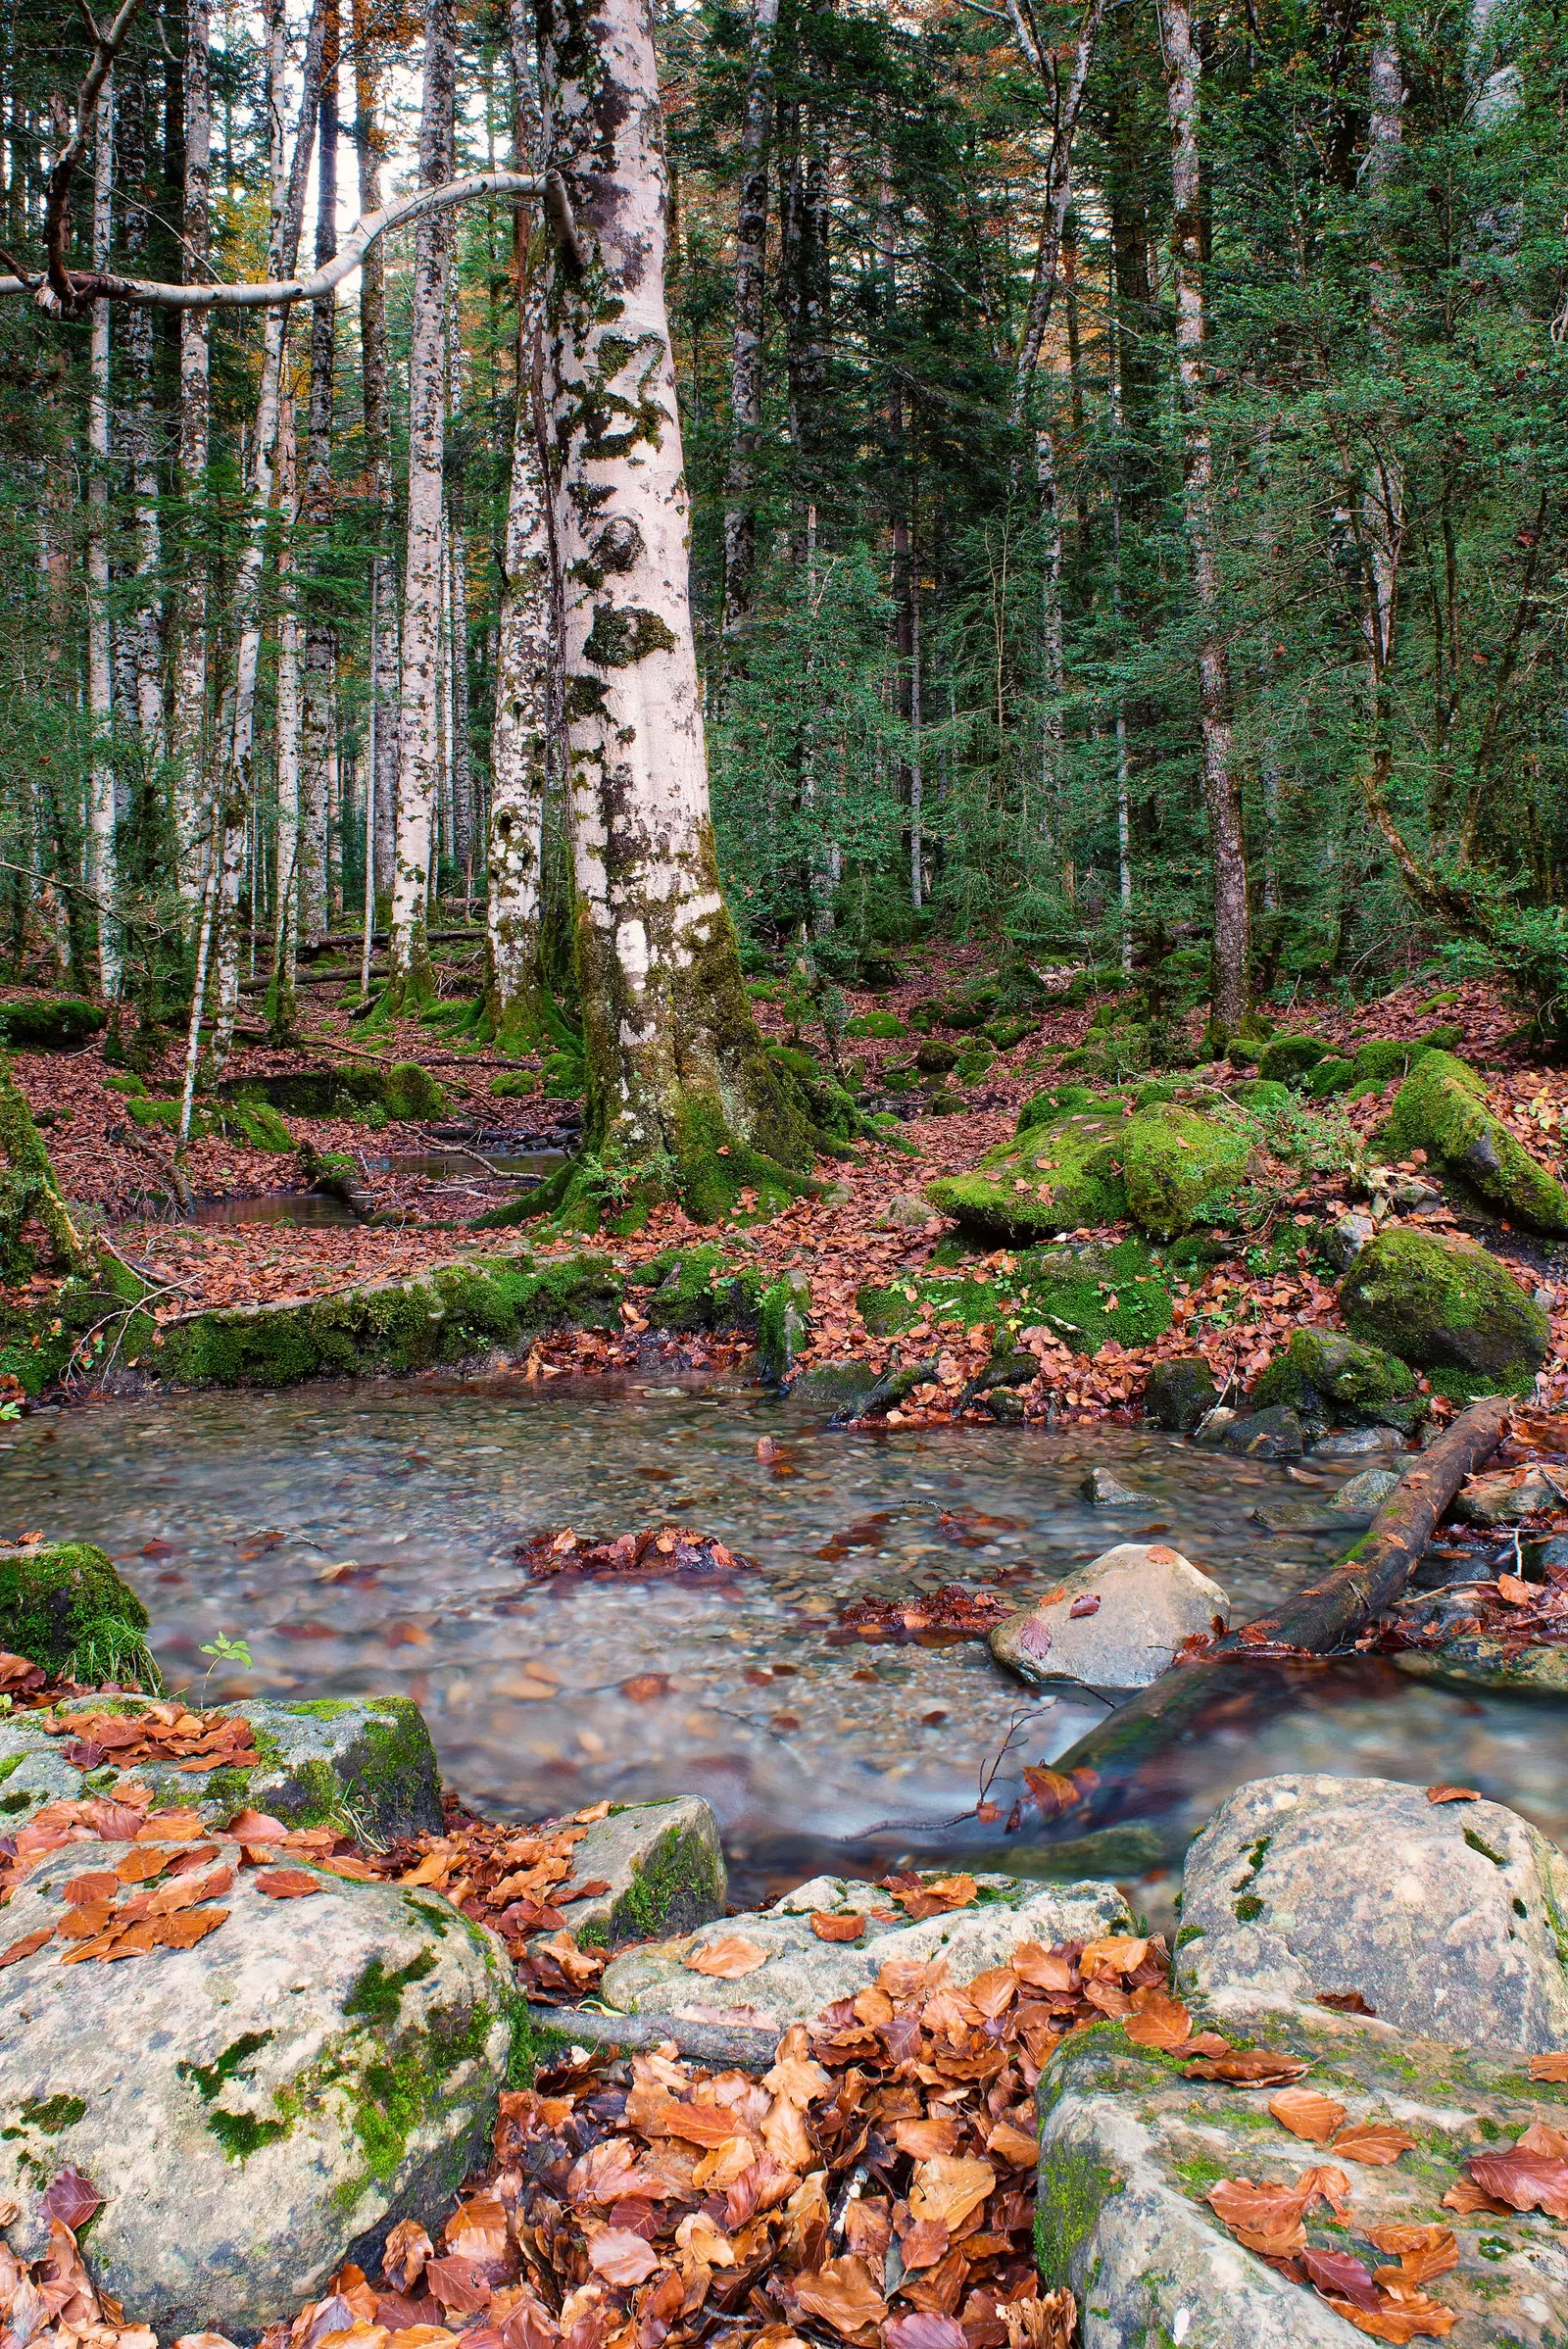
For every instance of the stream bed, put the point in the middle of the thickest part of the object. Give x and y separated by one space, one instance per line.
360 1539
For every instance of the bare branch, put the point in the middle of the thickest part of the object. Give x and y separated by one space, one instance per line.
1059 189
84 286
56 213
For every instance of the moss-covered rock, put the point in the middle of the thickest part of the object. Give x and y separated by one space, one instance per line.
1333 1075
1088 1296
50 1022
1441 1303
1497 1667
66 1608
875 1023
662 1867
1161 1165
1178 1163
401 1090
1359 1385
249 1119
693 1289
1180 1393
1286 1059
1440 1108
1045 1108
1262 1094
782 1322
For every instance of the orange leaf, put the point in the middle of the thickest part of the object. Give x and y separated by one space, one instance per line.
728 1957
947 2188
1452 1794
1377 2142
622 2257
1306 2114
1549 2066
828 1928
1158 2020
287 1883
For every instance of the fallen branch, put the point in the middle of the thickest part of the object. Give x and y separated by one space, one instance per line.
1315 1621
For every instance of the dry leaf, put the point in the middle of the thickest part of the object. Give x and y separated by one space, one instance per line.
829 1927
727 1958
1452 1794
1525 2179
1341 2273
1552 2067
1266 2218
1246 2068
1158 2020
622 2257
844 2295
947 2188
1306 2114
1376 2143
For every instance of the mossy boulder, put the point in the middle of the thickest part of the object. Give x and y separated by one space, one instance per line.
1087 1295
1496 1667
693 1289
250 1119
1444 1303
1382 1058
1179 1394
1263 1095
662 1867
1162 1166
1327 1378
401 1090
1286 1059
782 1324
1178 1163
66 1608
50 1023
875 1023
250 2108
1442 1108
838 1387
1328 1077
1044 1108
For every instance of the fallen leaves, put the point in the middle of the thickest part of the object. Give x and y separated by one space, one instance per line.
828 1926
1387 2302
658 1550
1246 2068
162 1732
1553 2067
287 1883
933 1618
1158 2019
1306 2113
1452 1794
1530 2176
1377 2142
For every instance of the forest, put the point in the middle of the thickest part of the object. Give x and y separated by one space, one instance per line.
783 1213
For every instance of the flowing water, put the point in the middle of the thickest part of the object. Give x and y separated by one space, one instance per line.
360 1539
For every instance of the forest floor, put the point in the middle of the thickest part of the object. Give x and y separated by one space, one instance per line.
1236 1313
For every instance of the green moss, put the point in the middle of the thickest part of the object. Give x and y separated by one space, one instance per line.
874 1023
782 1322
1263 1093
675 1888
54 2114
1073 2191
240 2134
321 1708
1440 1108
1324 1375
50 1023
1045 1108
1443 1303
255 1121
695 1290
1164 1166
1286 1059
1479 1843
378 1994
65 1607
1180 1168
1330 1076
1247 1907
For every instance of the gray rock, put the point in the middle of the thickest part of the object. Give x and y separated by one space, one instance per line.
1356 1502
1216 1425
1473 1661
1343 1240
1179 1393
256 2106
1440 1915
1128 2149
1511 1494
34 1771
665 1869
904 1213
843 1386
1102 1489
1150 1600
1276 1434
1353 1444
1362 1496
802 1974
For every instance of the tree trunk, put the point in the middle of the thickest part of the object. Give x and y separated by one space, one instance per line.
519 745
285 921
321 634
1222 791
746 352
143 635
459 759
101 862
677 1070
384 797
419 763
188 726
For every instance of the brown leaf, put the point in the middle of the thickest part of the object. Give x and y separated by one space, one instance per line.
1340 2272
1549 2066
287 1883
948 2187
727 1958
1396 2241
72 2200
1325 2184
1399 2319
1376 2143
1524 2179
1053 1790
924 2329
1466 2197
17 1950
1306 2114
927 2139
184 1929
1246 2068
1452 1794
622 2257
829 1927
1158 2019
1345 2002
1014 2146
1266 2218
843 2295
1117 1953
257 1827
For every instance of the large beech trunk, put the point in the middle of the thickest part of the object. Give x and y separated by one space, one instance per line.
188 717
320 635
677 1072
382 796
1222 790
419 747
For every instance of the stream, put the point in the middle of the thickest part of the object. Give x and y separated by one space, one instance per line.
360 1540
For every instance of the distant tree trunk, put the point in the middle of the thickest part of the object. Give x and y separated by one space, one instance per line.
419 745
188 730
677 1070
102 863
320 632
519 745
143 634
1383 499
745 351
1222 791
1053 658
378 462
461 761
285 921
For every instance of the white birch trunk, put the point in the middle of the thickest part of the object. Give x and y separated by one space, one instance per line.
188 725
1222 796
101 861
418 761
321 636
1383 499
460 763
381 799
676 1067
285 921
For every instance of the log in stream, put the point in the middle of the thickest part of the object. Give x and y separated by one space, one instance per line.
1252 1670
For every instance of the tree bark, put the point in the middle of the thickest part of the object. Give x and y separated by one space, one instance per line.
460 761
677 1071
745 351
188 724
102 861
144 650
418 762
1222 791
321 634
383 799
519 745
286 910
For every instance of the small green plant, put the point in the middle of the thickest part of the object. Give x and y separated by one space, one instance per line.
224 1650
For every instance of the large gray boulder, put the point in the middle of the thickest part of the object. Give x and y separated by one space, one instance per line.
1129 2150
1443 1917
365 1761
257 2106
800 1974
1147 1600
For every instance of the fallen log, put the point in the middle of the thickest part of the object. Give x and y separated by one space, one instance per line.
737 2043
1324 1617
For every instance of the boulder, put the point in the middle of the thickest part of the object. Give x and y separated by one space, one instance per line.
366 1761
255 2107
1343 1240
1440 1108
1356 1502
1179 1394
1509 1494
1325 1376
1286 1059
1497 1666
801 1973
903 1214
1276 1434
837 1386
1443 1916
1102 1489
1353 1444
695 1290
1444 1303
64 1607
661 1867
1094 1168
1129 2148
783 1323
1113 1623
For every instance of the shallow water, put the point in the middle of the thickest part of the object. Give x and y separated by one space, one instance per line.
361 1538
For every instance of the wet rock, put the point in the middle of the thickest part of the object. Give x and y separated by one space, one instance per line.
1102 1489
255 2107
1356 1502
840 1385
1216 1425
1353 1444
802 1973
1179 1394
1343 1240
662 1867
1440 1915
64 1607
1009 1410
1362 1496
1128 2148
1094 1168
1440 1108
1324 1375
781 1325
1276 1434
1113 1623
1511 1494
1497 1666
1445 1303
